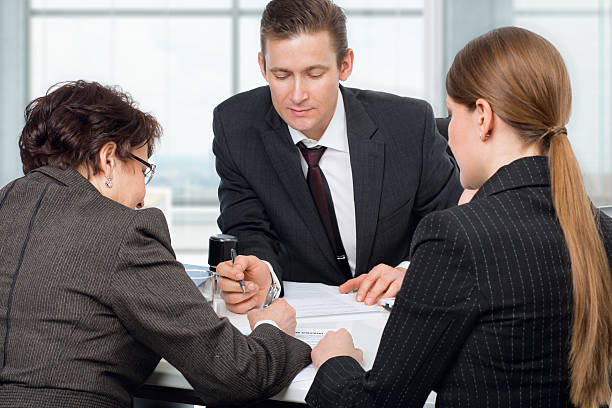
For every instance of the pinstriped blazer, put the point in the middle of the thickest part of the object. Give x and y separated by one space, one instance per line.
91 297
483 317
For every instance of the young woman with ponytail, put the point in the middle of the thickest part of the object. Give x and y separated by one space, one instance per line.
508 299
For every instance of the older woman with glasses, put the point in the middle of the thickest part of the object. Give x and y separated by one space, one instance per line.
149 171
91 295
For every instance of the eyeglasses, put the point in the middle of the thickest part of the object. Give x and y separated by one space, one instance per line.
149 172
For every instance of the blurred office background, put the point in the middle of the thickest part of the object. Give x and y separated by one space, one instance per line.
180 58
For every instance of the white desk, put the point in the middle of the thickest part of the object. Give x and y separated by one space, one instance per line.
366 329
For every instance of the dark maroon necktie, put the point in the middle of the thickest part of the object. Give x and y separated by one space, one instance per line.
322 197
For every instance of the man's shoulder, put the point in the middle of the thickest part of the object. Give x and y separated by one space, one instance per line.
383 101
397 114
255 101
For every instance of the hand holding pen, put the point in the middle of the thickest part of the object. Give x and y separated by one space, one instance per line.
255 276
234 254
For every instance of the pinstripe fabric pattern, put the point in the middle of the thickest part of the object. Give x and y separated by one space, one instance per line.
484 313
5 192
9 301
91 297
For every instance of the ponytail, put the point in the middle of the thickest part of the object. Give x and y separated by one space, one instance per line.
524 78
591 338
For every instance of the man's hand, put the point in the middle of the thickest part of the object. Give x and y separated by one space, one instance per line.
383 281
334 344
280 311
257 280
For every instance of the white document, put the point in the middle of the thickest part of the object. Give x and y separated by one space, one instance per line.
308 336
312 338
311 300
307 374
317 299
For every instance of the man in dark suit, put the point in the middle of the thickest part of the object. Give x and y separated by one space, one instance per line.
322 183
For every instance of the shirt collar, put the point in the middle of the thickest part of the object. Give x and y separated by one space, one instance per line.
334 137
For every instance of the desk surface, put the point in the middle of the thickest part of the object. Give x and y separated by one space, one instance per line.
366 329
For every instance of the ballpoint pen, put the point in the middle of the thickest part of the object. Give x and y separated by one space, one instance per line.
234 254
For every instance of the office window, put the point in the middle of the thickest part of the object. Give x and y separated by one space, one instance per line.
386 36
388 68
141 5
181 58
581 32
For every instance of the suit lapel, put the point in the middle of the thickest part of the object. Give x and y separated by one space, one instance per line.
367 164
285 159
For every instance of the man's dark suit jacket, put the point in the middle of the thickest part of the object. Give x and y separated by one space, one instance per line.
91 297
484 314
401 172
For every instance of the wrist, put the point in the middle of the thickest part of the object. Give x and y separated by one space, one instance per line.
272 293
273 288
269 321
273 276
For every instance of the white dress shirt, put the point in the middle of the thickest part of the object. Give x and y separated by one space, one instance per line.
336 165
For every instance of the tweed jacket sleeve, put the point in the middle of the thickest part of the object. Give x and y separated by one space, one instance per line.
433 314
160 306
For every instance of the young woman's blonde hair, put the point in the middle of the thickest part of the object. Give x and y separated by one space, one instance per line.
524 79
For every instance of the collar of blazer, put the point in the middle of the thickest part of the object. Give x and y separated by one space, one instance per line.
367 148
69 177
525 172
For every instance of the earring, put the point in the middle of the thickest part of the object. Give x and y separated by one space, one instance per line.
109 183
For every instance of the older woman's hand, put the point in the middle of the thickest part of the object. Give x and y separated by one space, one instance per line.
334 344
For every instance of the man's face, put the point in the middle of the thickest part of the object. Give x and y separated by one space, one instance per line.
303 75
